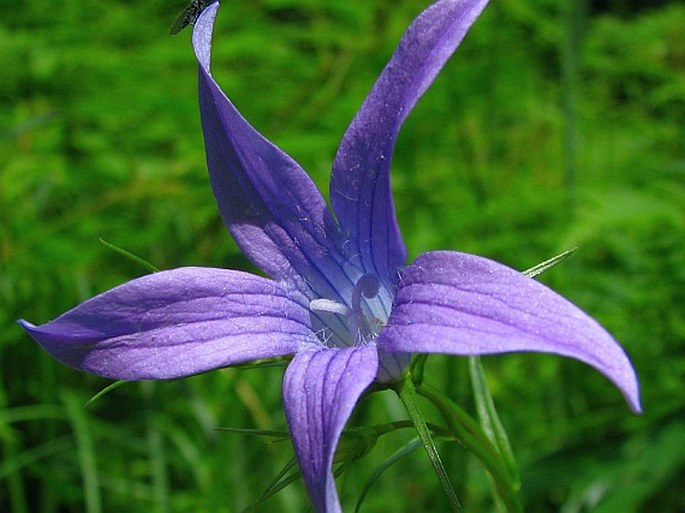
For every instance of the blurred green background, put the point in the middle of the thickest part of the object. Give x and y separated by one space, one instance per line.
556 124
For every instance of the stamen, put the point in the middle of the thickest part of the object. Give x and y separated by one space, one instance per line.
329 306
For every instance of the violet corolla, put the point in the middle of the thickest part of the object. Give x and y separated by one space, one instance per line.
339 299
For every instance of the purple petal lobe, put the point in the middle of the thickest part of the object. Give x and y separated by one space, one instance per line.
176 323
455 303
360 184
320 390
269 204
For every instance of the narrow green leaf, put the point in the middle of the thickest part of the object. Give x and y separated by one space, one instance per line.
131 256
401 453
86 452
104 391
13 462
288 474
156 449
490 421
548 264
472 437
257 432
31 412
407 394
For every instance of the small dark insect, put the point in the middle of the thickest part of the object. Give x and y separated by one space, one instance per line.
188 16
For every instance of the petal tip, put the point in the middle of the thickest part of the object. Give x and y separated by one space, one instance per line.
202 34
633 396
27 326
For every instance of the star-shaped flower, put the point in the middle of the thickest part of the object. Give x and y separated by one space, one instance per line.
339 298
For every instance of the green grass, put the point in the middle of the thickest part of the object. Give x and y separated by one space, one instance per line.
100 138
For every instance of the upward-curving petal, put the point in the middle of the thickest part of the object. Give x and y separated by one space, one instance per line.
456 303
269 204
177 323
320 390
360 183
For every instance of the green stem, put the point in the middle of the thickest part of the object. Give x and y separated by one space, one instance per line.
473 439
407 394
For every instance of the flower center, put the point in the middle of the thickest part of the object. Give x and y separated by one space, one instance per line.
362 319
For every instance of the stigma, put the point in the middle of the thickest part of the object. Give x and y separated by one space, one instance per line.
362 320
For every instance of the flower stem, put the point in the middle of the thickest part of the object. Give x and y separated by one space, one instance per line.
407 394
468 432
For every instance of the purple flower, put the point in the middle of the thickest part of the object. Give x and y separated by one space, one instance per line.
339 298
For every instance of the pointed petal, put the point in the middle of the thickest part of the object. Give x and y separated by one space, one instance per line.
463 304
360 184
176 323
271 207
320 390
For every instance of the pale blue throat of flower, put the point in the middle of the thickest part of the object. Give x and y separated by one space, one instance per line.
359 321
363 319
